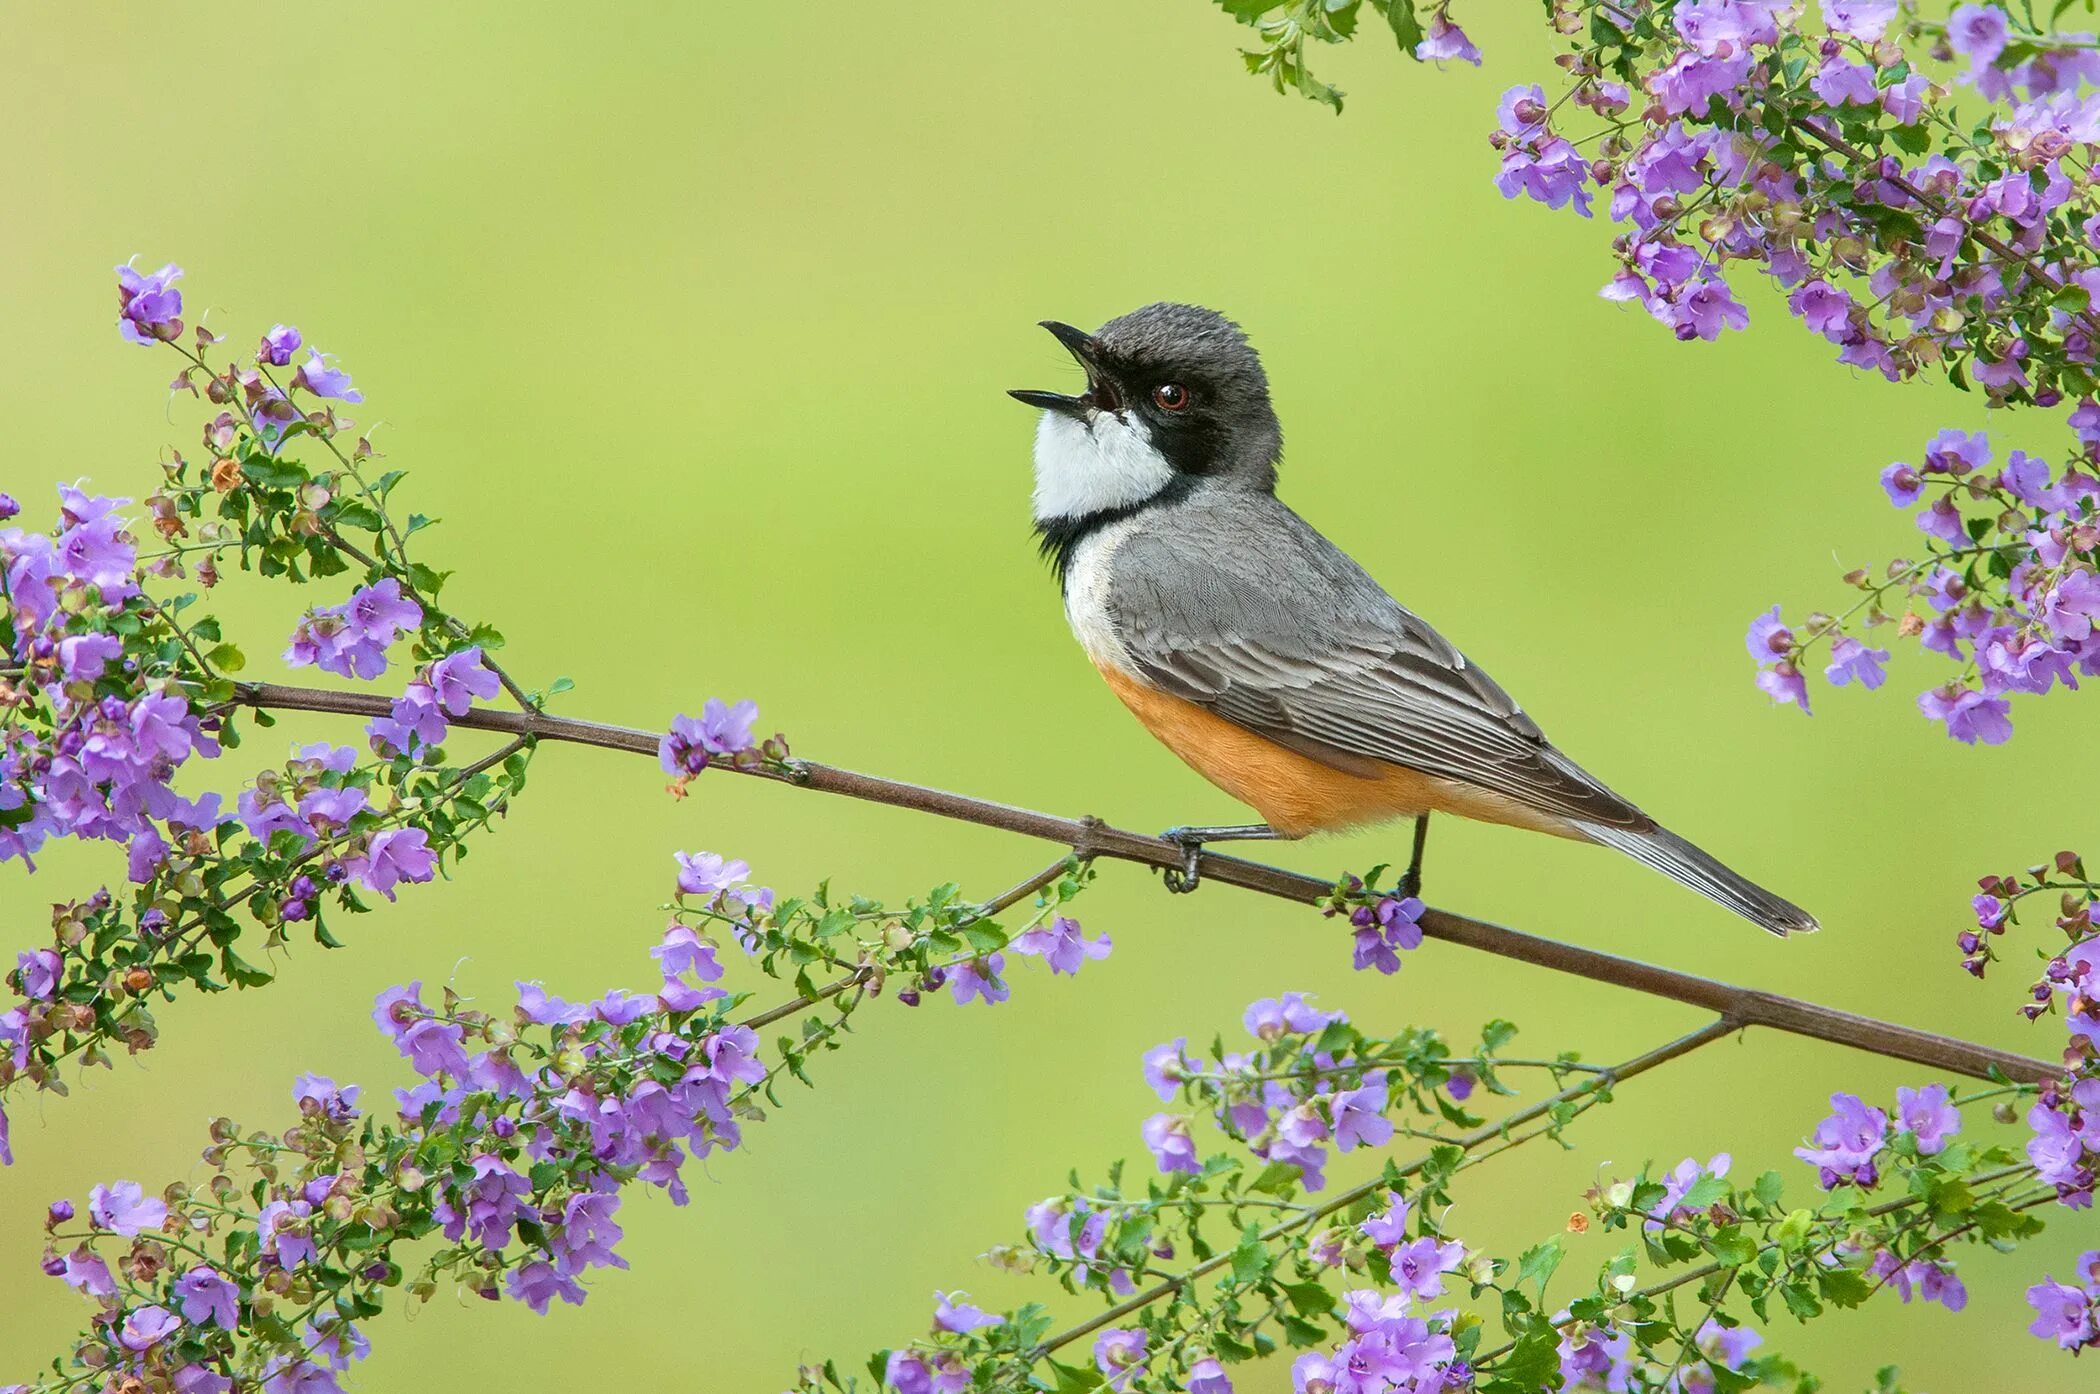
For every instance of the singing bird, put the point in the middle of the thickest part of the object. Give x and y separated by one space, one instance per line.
1257 651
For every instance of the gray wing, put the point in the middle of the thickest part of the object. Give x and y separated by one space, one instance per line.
1271 627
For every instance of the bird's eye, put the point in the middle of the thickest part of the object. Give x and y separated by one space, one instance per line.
1171 396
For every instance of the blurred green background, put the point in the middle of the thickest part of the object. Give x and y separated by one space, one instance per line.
692 322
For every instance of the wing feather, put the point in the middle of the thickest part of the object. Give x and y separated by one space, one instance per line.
1301 646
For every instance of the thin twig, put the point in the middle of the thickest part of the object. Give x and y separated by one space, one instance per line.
1661 1055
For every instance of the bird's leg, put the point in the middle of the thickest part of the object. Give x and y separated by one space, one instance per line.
1188 876
1411 879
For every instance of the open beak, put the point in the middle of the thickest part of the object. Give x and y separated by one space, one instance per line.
1100 393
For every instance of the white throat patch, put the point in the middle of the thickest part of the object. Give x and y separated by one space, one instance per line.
1082 467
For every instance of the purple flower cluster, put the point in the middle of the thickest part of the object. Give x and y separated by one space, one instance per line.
1382 925
1287 1101
1845 1147
693 742
104 743
351 639
446 688
2008 589
1601 1356
1388 1349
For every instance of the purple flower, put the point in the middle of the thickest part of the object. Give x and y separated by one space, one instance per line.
2072 607
457 679
1769 639
149 308
1446 40
979 978
85 657
321 1096
1846 1143
1382 930
586 1236
323 381
206 1296
1119 1353
1061 944
1785 685
278 346
1969 715
906 1372
8 507
1207 1376
1272 1017
1167 1137
394 855
1977 33
123 1207
1850 659
1359 1118
1388 1228
1840 82
705 873
351 639
1165 1067
961 1318
1927 1116
1862 19
1957 452
1419 1267
2063 1314
1823 308
84 1271
538 1284
719 730
39 972
147 1327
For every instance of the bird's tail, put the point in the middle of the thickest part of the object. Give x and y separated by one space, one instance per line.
1682 862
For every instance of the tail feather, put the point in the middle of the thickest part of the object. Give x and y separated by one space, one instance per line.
1682 862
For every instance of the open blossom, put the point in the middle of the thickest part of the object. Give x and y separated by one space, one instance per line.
278 346
960 1317
719 730
319 378
1167 1137
1927 1116
979 978
706 873
149 308
1119 1353
123 1207
352 639
1061 944
392 856
1844 1145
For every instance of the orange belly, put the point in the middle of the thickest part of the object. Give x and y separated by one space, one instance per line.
1297 794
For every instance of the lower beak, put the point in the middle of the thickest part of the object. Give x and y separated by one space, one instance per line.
1100 393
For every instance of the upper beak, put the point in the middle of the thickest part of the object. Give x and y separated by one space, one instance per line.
1099 391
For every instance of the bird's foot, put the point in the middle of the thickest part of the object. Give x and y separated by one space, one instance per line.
1189 875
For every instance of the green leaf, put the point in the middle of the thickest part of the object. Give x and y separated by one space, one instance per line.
1309 1299
1407 25
1733 1247
1844 1287
1071 1379
239 970
1538 1263
1704 1192
227 658
273 472
1250 1260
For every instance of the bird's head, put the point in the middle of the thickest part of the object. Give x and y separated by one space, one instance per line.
1174 395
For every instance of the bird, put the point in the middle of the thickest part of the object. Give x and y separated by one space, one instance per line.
1258 651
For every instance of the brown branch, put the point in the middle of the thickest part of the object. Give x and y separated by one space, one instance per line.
1090 837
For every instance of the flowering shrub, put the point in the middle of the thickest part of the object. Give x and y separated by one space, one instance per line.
502 1168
